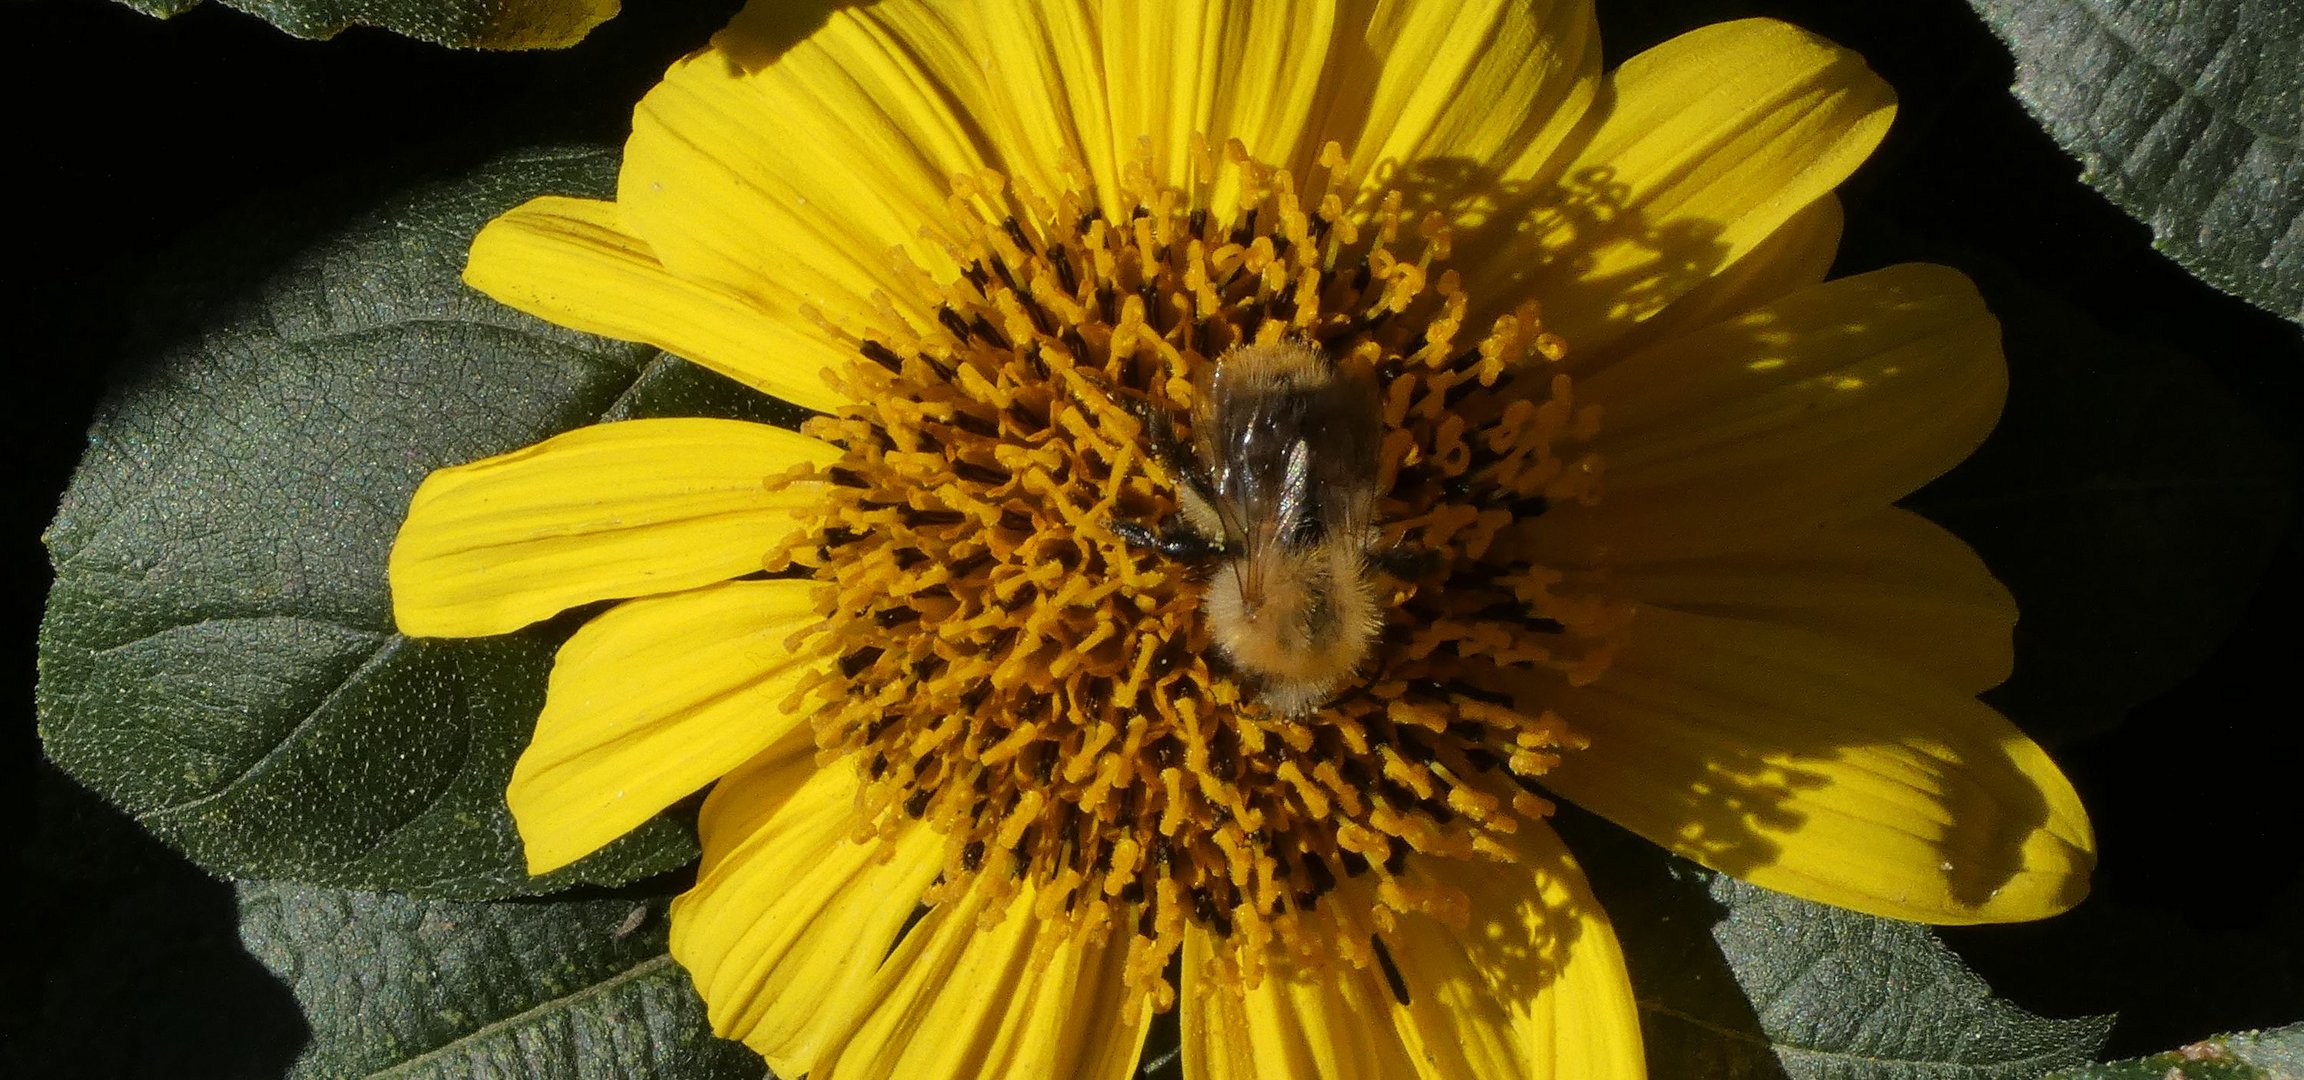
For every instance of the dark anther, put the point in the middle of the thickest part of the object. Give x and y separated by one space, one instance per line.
894 617
881 355
1032 357
1532 506
1391 970
975 696
1414 749
1316 870
952 321
1133 891
1015 520
1076 345
1354 864
981 474
1172 653
986 333
853 663
1166 752
1151 297
1144 917
1503 611
877 728
1438 808
1163 850
1245 232
1202 330
930 518
1396 859
879 766
1016 233
1320 227
1224 755
838 536
1457 392
1395 793
916 804
1198 222
1000 267
1251 318
1040 322
1481 759
976 276
972 856
1141 212
974 424
1362 275
1370 321
845 477
1476 693
1356 773
962 568
1284 306
1108 304
1060 257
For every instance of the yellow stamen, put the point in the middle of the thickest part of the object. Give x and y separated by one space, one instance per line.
1003 667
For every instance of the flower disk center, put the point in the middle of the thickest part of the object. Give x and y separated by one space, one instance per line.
1005 668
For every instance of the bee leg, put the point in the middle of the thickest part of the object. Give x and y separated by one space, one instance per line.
1182 545
1405 561
1160 439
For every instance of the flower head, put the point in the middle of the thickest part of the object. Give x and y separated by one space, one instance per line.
1624 535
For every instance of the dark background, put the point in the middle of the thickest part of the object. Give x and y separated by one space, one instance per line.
125 135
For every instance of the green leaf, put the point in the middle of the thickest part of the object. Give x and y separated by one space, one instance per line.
1739 983
465 24
2247 1055
2129 501
2187 114
218 656
437 988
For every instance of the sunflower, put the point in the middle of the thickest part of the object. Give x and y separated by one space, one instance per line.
984 799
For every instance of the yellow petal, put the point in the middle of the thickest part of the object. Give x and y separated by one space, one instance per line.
1462 107
789 919
1894 583
792 178
651 701
1102 84
1704 146
1797 255
976 993
1810 766
1810 412
1533 987
572 261
603 512
1296 1024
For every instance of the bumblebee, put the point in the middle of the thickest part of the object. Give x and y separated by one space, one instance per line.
1278 490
